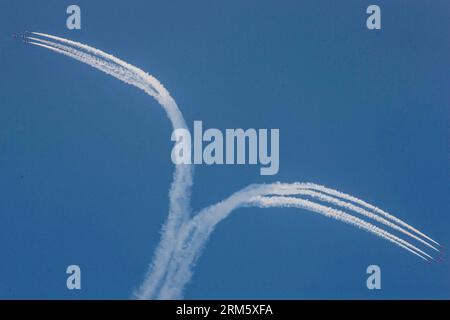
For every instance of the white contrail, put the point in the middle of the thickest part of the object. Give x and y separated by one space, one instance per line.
305 189
183 237
367 205
195 234
179 195
338 215
177 120
88 59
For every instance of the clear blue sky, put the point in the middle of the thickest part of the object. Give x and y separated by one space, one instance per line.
85 160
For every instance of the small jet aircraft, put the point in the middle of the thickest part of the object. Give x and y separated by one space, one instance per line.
20 36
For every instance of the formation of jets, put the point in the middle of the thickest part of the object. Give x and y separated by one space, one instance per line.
20 36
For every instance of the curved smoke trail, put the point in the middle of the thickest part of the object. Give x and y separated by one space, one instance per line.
184 237
179 194
194 235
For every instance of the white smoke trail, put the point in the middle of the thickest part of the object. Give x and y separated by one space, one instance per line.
195 234
183 238
179 194
91 60
338 215
177 118
306 190
367 205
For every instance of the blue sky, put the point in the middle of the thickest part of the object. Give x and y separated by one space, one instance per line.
85 160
